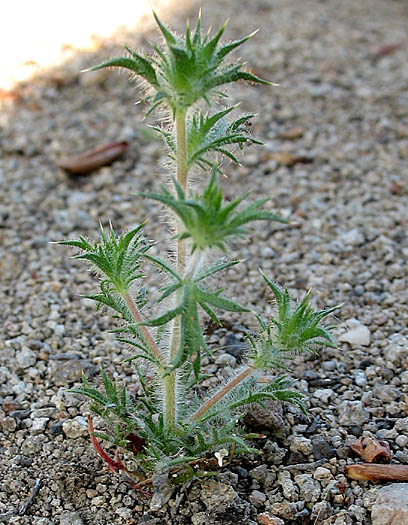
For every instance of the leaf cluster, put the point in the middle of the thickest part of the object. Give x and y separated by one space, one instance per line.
296 329
211 133
118 259
186 69
209 221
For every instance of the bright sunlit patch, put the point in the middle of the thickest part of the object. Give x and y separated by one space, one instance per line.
39 34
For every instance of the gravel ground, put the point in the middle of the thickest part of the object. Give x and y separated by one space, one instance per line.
334 162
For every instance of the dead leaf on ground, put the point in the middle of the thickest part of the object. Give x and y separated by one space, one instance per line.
289 159
376 472
93 159
386 50
9 95
371 449
292 133
397 188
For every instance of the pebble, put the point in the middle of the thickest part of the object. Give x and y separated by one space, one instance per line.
357 335
214 494
289 489
360 378
26 357
33 445
323 394
257 498
391 505
321 511
39 424
401 425
322 474
284 509
309 488
341 518
386 393
321 449
70 518
75 428
300 444
353 413
353 237
266 518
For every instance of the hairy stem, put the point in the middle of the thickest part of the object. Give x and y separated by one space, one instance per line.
146 334
246 372
193 265
182 172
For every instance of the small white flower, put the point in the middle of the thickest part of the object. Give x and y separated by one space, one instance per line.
220 455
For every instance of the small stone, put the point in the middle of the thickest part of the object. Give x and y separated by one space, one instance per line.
402 441
33 445
321 511
271 417
323 394
300 444
289 489
353 237
386 393
234 346
39 425
321 449
75 428
353 413
19 415
124 513
226 360
257 498
64 374
360 378
8 424
391 505
70 518
322 473
259 473
26 357
402 425
266 518
341 518
56 429
284 509
357 335
274 454
309 488
11 406
214 494
98 501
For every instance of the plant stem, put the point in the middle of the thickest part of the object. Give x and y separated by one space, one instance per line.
146 334
246 372
182 172
193 264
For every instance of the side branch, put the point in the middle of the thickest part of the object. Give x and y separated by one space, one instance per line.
146 334
221 393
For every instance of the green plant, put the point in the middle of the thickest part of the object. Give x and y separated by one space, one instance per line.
167 423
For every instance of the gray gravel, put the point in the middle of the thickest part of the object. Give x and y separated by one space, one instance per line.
341 109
